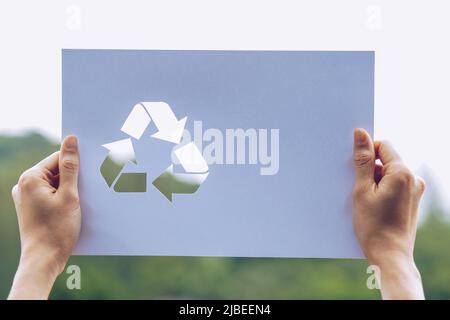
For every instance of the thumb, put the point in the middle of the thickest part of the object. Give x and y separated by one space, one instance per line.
364 158
69 163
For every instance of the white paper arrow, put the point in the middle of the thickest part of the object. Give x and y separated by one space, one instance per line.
137 121
169 127
121 151
169 182
191 158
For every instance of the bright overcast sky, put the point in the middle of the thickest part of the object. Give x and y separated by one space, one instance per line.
410 39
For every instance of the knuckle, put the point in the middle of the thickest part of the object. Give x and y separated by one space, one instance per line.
405 178
421 185
70 165
382 145
362 159
14 192
71 196
27 179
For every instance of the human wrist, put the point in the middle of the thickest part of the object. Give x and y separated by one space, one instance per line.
399 276
34 278
46 257
36 274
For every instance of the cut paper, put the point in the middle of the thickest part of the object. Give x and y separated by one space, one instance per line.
191 158
171 130
137 121
217 153
169 182
122 152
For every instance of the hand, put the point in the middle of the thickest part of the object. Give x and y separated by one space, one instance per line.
49 216
385 204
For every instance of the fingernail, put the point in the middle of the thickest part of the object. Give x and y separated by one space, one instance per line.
360 137
71 143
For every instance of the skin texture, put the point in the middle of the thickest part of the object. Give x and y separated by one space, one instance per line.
49 217
385 204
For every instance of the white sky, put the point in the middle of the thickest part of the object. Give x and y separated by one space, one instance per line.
411 40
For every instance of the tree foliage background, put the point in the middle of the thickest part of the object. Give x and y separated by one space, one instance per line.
208 278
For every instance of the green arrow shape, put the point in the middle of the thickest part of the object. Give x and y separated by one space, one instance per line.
169 182
110 169
127 181
131 182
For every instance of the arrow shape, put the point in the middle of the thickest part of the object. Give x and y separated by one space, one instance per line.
169 127
191 158
137 121
110 170
131 182
121 151
169 182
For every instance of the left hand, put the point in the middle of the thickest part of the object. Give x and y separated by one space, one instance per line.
49 217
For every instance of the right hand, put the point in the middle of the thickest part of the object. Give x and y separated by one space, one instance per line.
385 210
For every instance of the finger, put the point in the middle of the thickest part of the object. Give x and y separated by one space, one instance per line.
420 189
15 193
364 157
420 185
387 154
50 163
69 163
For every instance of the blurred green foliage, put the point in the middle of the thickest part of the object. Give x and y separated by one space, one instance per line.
209 278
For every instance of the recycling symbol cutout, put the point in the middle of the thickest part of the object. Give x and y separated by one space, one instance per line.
170 129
